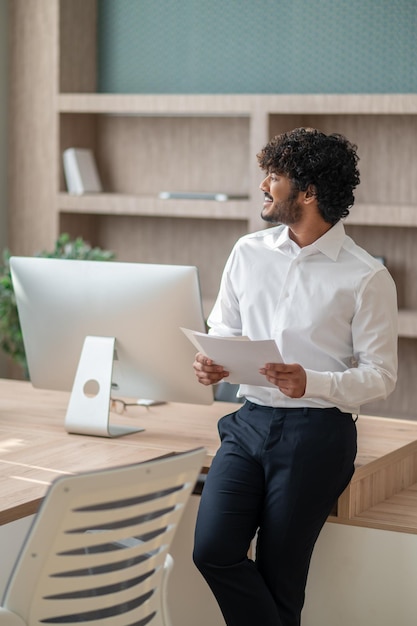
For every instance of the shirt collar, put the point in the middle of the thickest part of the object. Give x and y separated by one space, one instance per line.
329 244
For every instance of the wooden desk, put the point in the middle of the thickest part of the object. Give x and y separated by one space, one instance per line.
35 449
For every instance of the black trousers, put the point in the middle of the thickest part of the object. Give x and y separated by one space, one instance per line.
278 473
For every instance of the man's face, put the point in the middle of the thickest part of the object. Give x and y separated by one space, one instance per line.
281 204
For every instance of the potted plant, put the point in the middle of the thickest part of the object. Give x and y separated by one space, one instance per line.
11 340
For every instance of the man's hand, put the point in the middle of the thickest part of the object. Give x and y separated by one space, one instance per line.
291 379
207 372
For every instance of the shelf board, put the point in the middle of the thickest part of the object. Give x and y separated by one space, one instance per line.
128 204
383 215
238 104
125 204
157 104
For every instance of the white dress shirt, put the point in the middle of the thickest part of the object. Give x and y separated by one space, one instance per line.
330 306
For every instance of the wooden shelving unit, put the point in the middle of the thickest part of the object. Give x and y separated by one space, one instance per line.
149 143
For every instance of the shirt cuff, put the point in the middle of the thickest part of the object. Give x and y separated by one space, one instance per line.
318 384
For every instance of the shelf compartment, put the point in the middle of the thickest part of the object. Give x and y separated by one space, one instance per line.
141 156
124 204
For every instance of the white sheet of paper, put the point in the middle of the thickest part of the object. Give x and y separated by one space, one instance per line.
240 356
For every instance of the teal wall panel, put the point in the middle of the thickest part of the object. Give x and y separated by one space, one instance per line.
257 46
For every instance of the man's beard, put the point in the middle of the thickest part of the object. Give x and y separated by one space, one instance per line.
287 212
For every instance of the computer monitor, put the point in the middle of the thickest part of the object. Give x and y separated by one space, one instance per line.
100 329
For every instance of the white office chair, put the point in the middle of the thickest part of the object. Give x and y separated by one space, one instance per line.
97 551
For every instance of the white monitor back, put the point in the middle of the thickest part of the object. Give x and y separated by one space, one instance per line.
62 302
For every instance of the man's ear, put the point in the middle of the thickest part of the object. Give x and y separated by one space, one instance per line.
310 194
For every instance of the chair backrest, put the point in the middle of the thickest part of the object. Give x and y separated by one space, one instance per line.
97 547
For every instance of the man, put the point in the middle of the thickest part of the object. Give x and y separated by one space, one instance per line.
288 452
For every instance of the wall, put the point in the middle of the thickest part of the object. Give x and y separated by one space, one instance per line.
267 46
3 137
362 577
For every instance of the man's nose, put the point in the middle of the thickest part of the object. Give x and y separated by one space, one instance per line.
264 184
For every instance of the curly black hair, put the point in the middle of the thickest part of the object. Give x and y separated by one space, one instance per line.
327 162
